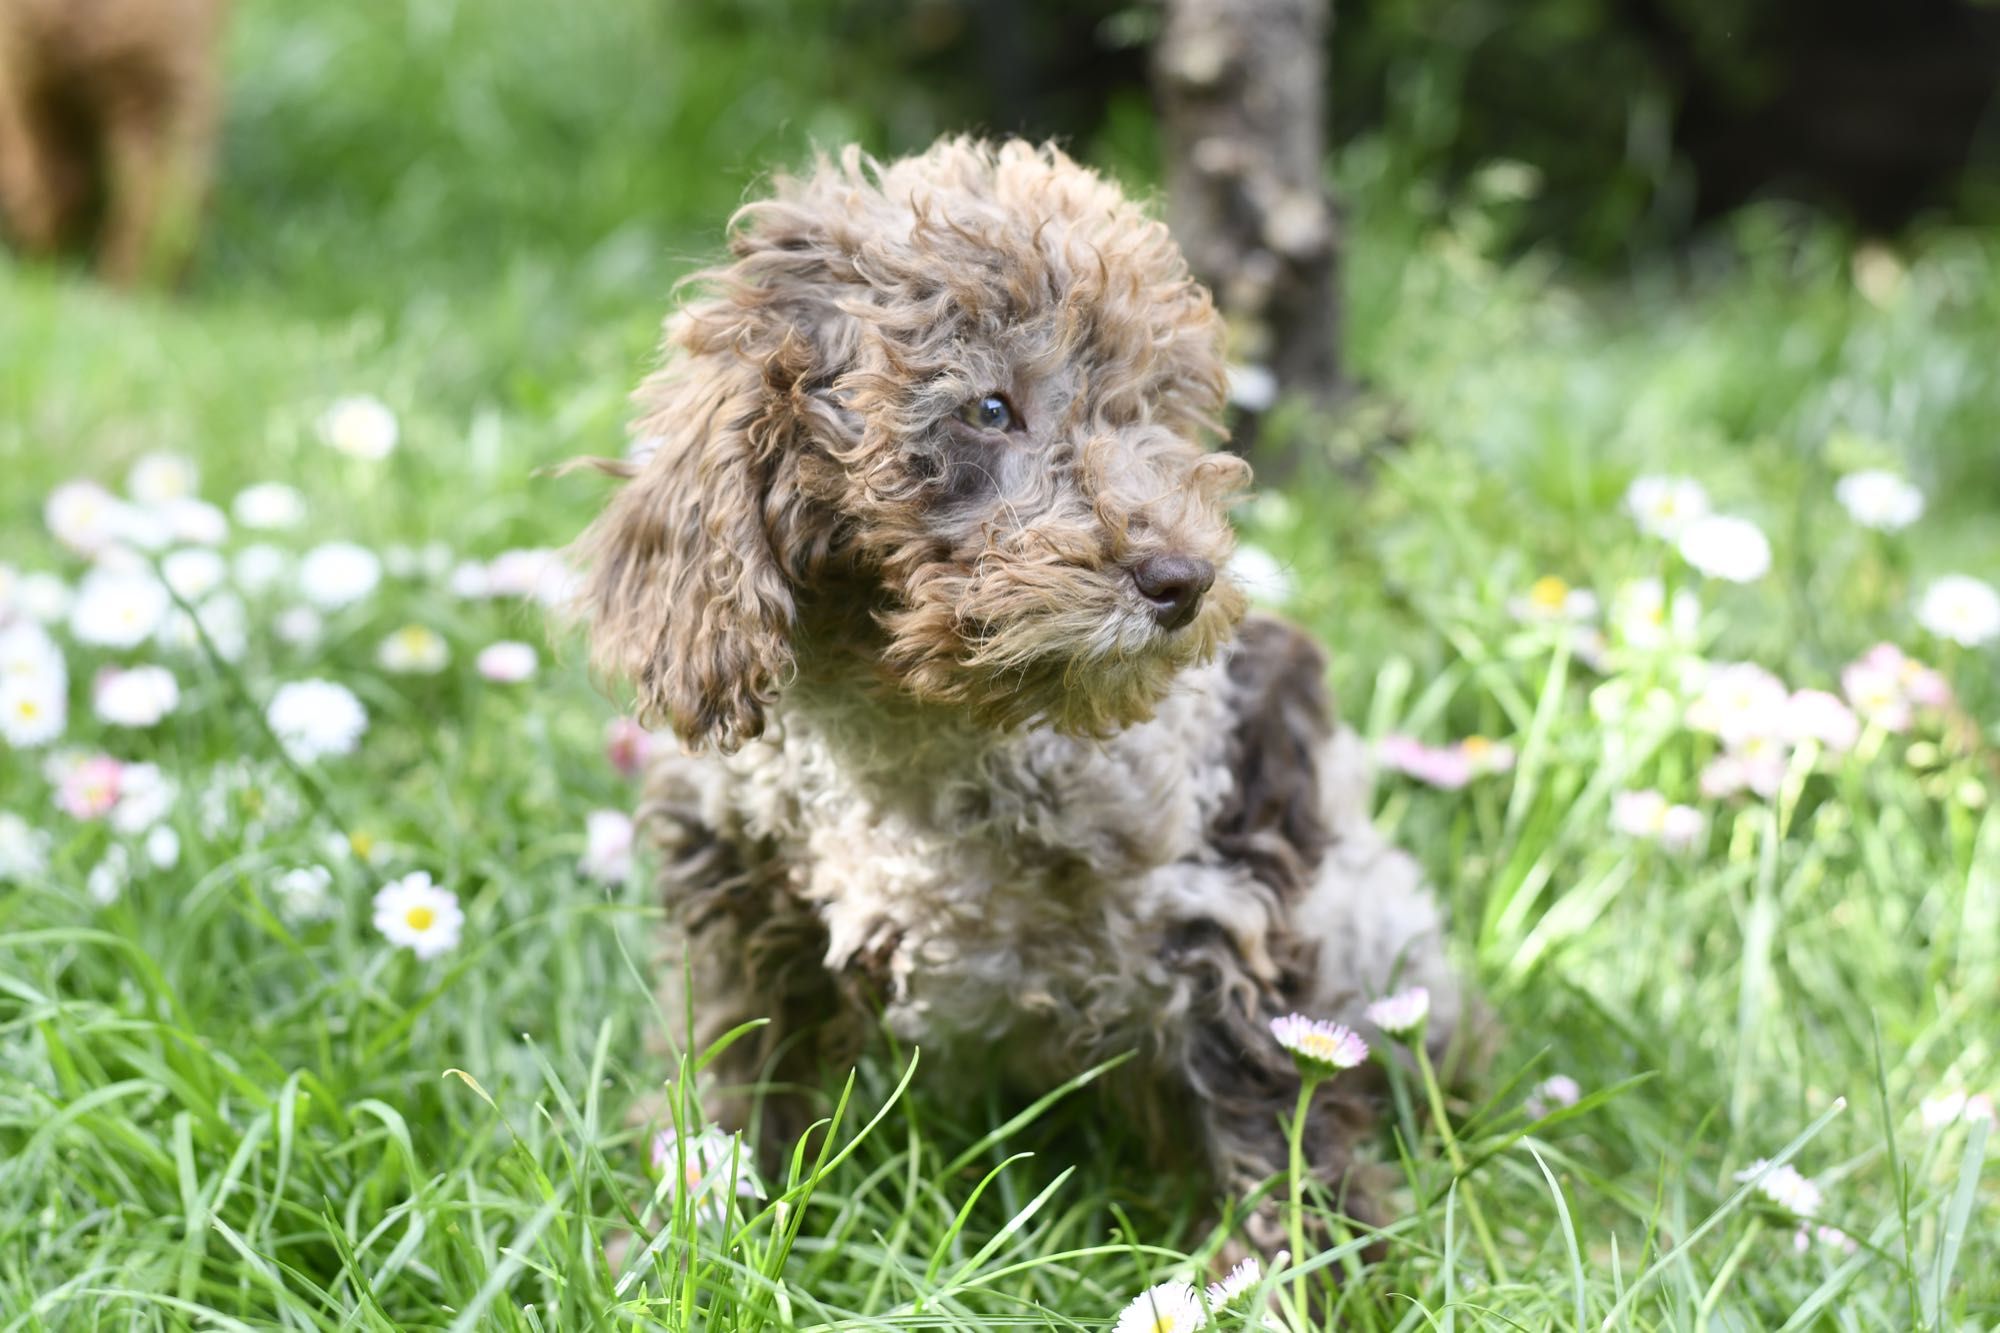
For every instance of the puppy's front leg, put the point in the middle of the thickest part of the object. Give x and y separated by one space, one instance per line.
1243 1093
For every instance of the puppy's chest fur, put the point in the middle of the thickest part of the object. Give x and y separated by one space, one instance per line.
1021 891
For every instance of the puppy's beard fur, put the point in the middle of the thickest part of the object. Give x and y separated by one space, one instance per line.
1056 646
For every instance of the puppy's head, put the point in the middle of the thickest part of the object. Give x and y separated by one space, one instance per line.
951 406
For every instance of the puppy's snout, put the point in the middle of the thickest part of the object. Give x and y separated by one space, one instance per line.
1174 584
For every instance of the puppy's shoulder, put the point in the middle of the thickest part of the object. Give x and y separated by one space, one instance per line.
1281 719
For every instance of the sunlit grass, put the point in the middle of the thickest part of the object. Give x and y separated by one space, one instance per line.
214 1112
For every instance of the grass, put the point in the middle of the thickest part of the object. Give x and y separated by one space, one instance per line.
213 1115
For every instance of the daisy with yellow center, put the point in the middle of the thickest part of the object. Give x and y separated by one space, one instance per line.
704 1165
413 650
1319 1048
413 913
1170 1307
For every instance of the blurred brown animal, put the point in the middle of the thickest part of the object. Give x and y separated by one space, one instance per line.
108 112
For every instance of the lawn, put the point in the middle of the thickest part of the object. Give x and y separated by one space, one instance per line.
228 1100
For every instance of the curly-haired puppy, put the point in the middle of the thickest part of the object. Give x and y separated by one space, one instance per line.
927 566
107 121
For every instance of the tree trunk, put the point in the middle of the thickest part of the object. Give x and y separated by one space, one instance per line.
1241 91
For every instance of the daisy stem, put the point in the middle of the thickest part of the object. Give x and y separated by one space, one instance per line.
1435 1095
1296 1142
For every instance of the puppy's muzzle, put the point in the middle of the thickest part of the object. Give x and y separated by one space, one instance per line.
1173 585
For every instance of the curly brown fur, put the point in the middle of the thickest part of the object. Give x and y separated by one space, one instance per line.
108 117
972 748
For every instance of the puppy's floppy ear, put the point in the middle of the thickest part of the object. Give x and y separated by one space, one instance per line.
685 595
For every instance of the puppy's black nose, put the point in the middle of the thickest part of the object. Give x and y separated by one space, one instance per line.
1174 585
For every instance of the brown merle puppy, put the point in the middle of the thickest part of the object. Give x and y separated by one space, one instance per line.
927 568
107 121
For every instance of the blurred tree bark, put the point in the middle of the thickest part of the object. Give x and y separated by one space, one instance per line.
1241 92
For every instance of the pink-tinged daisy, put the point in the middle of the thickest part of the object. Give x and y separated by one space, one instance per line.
138 697
1445 768
607 854
1318 1047
1170 1307
1237 1281
415 914
702 1166
1784 1186
1403 1014
1816 715
1827 1237
89 788
1648 815
507 662
627 745
1553 1093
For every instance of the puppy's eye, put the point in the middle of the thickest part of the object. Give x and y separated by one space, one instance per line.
993 412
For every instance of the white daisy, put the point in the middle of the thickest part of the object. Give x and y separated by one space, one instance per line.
1648 815
607 853
269 506
1170 1307
1880 500
338 574
159 477
1739 700
1734 549
221 618
163 847
193 572
145 797
138 697
1784 1186
260 567
300 626
469 580
194 521
1237 1281
413 650
85 517
1961 608
360 426
1554 1093
33 710
536 572
115 609
414 914
1401 1015
1552 600
1640 617
1252 388
42 597
1665 506
243 802
507 662
27 652
105 884
315 719
702 1166
1263 578
1319 1048
304 893
24 850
